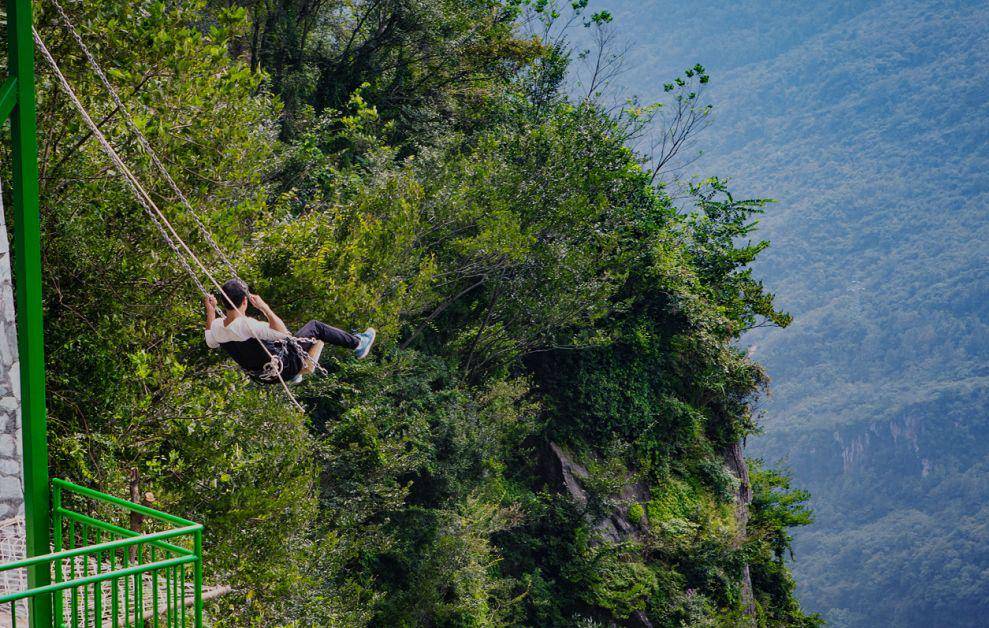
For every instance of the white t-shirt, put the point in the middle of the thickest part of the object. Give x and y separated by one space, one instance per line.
240 330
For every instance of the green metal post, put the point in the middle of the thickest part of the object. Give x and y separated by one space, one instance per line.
198 578
57 545
27 277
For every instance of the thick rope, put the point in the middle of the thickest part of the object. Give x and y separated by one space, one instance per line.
158 218
142 140
146 146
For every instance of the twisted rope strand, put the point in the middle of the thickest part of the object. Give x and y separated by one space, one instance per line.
166 229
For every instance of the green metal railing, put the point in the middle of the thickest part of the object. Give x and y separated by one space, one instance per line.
103 573
92 559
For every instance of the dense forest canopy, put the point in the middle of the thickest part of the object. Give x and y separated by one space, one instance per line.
549 431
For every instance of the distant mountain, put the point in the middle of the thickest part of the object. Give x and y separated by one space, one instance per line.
869 122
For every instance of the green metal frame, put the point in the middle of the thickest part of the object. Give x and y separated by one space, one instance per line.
17 102
113 552
105 574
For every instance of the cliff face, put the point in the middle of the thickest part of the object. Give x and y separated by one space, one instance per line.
914 482
569 476
564 473
735 463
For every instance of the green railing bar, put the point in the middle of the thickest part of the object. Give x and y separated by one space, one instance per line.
123 503
85 572
168 598
182 589
73 594
59 543
139 592
154 587
114 589
109 527
8 97
98 599
169 563
197 576
126 561
175 595
109 545
167 575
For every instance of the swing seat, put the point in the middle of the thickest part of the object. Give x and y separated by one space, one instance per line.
249 353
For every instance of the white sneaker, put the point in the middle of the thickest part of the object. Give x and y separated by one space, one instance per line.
367 339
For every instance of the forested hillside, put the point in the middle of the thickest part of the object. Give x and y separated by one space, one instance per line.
548 431
867 121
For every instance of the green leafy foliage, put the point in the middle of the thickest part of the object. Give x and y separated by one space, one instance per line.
415 167
775 508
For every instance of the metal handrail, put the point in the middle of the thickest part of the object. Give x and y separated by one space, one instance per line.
103 577
101 547
123 503
91 582
109 527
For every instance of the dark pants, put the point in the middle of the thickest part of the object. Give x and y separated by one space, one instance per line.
290 353
328 334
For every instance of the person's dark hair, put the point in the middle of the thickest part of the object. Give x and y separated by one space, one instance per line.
236 290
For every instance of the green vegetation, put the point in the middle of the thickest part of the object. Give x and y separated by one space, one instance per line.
418 166
880 386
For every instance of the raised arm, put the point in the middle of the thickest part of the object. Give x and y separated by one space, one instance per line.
273 321
210 303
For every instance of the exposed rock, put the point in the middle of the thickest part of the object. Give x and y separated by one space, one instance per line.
567 473
565 470
735 462
639 618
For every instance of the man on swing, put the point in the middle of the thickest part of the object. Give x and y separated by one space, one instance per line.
241 336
